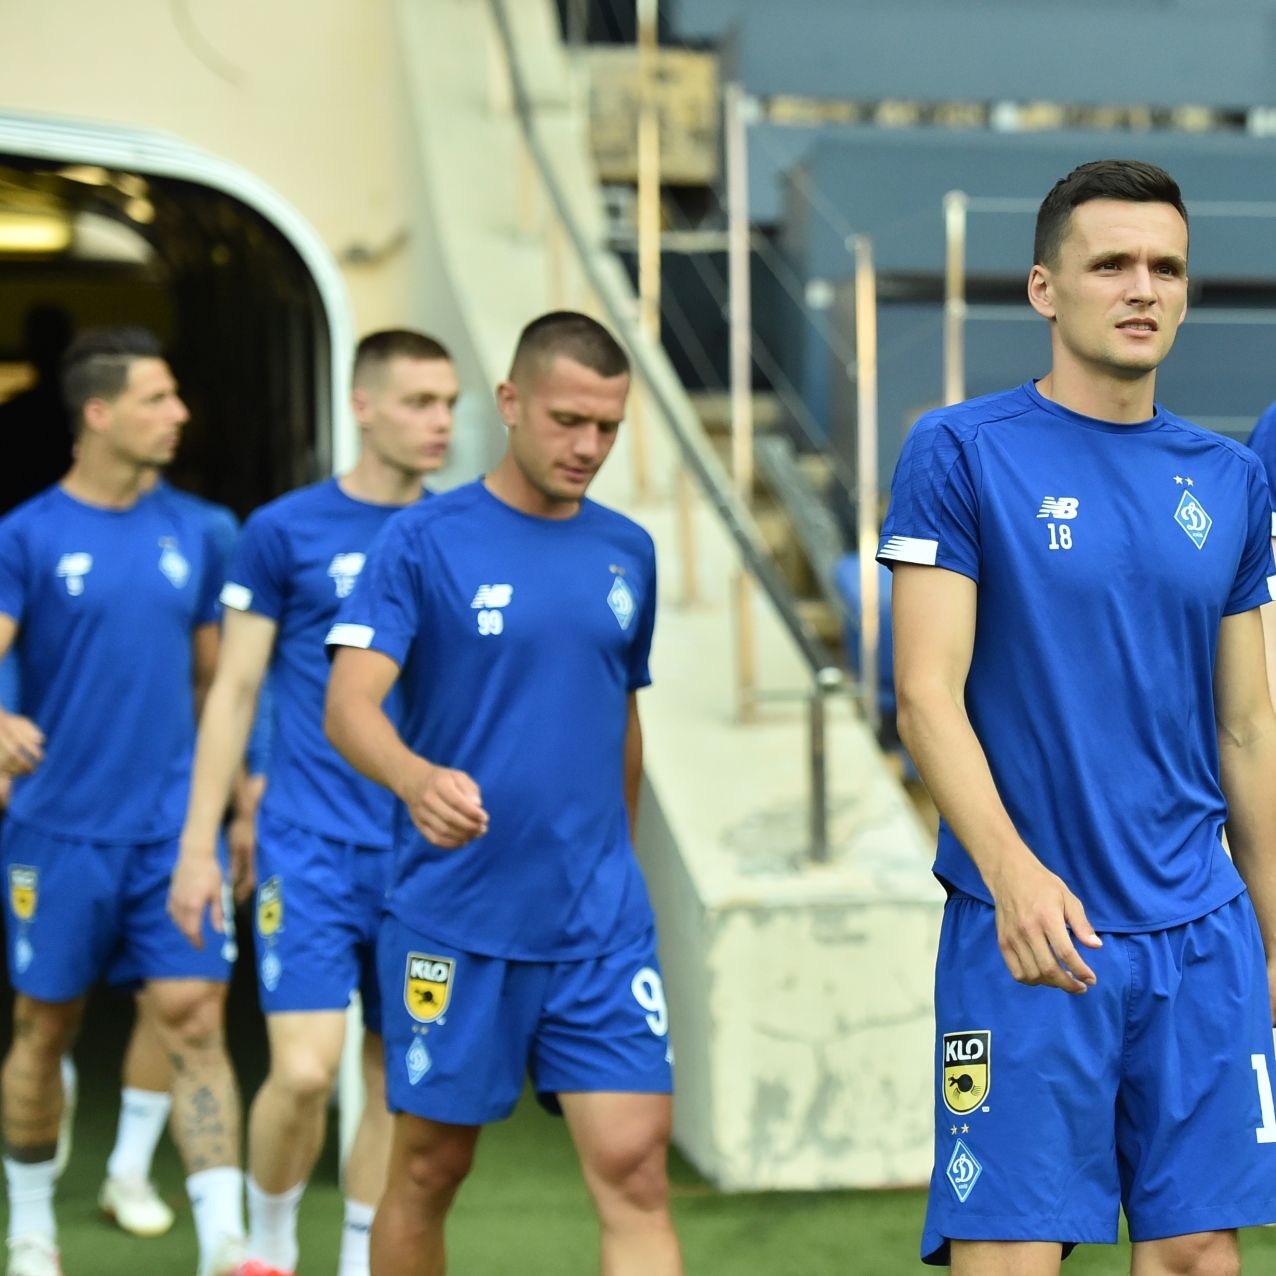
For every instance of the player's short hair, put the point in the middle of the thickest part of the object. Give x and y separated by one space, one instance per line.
573 335
1131 180
373 354
96 364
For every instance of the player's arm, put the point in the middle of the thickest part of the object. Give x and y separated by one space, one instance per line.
445 805
204 644
1268 612
633 764
21 741
224 726
1247 765
241 830
934 623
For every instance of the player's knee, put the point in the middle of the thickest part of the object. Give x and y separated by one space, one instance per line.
42 1031
1201 1254
434 1171
305 1077
633 1171
188 1014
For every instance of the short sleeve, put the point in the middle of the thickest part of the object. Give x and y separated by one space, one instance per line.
260 568
10 692
383 611
933 517
1254 576
13 574
640 653
1263 442
208 610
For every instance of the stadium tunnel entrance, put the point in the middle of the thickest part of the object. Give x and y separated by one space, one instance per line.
102 225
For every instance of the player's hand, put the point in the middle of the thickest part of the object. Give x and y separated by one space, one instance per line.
196 885
21 744
241 836
445 805
1038 918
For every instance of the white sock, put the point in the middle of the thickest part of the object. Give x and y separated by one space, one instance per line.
272 1225
31 1198
354 1239
70 1080
143 1114
217 1201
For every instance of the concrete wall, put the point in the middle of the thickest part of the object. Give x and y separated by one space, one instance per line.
307 94
312 96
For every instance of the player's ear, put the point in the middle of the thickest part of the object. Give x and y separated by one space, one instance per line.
1041 291
507 402
97 415
359 401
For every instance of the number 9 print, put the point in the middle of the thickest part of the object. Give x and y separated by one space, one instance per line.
649 993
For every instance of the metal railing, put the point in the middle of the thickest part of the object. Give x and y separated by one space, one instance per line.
698 461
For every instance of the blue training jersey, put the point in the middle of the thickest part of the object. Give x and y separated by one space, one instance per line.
9 691
1263 442
224 528
1106 557
297 558
106 602
519 640
223 524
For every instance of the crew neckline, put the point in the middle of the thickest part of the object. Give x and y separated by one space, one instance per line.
1091 422
540 520
335 480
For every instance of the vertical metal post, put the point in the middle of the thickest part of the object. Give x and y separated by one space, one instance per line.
649 255
556 261
648 170
740 297
740 317
577 23
866 476
956 205
819 814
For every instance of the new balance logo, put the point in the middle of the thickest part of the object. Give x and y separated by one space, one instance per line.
1059 507
493 596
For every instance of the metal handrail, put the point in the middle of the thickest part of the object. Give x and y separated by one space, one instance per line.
722 499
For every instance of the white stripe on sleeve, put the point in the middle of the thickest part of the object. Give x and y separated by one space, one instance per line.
347 635
236 597
909 549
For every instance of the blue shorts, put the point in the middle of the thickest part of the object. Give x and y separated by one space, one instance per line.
1150 1092
462 1030
78 911
318 909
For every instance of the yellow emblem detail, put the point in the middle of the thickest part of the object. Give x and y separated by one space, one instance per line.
270 907
23 889
967 1070
427 986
